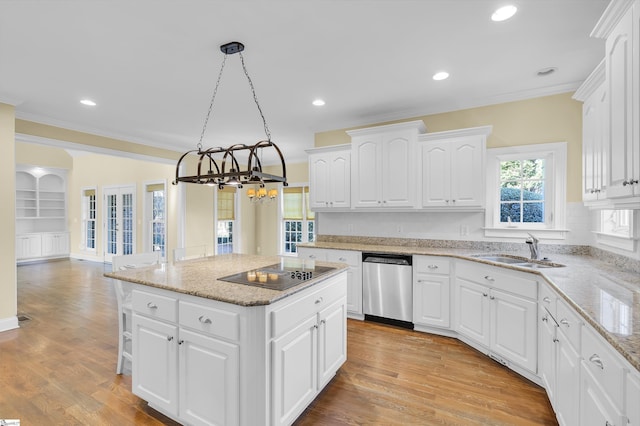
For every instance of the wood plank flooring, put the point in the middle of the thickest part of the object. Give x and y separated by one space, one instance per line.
58 368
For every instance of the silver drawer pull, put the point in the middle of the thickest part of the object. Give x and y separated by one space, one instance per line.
484 294
597 361
546 300
432 266
152 305
319 300
489 278
312 256
545 318
204 320
342 259
492 297
564 321
169 338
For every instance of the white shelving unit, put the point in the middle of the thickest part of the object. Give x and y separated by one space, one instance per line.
41 213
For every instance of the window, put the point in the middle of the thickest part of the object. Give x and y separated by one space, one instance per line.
617 229
155 208
526 187
298 219
89 219
226 214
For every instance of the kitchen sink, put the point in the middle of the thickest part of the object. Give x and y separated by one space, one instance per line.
522 262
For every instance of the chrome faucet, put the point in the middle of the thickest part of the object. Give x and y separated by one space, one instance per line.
533 246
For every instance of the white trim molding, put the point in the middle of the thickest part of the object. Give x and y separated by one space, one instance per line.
9 323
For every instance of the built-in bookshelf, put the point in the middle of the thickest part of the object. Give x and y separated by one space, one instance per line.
41 212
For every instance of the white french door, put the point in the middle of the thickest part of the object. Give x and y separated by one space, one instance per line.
119 221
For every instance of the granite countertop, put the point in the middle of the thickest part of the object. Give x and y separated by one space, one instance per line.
605 295
200 277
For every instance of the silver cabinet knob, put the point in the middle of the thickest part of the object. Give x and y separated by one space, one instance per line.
489 278
169 338
432 267
204 320
546 300
152 305
564 321
595 358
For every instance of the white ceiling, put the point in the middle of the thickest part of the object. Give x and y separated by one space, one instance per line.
151 65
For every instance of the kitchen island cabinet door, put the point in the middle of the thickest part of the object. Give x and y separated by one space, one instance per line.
155 363
209 378
332 341
294 371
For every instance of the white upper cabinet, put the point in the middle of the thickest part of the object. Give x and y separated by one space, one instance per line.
620 27
452 166
383 165
330 177
595 136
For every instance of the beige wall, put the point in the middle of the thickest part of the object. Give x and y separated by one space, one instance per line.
556 118
8 289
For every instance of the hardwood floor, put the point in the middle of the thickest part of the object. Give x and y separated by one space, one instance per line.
58 368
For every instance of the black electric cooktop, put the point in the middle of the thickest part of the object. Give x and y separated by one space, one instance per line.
278 276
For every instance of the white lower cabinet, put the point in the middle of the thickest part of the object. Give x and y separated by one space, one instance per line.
55 244
42 245
204 362
498 311
187 375
28 246
308 348
632 396
354 273
602 382
431 291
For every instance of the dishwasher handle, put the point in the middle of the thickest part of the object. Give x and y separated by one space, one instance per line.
389 259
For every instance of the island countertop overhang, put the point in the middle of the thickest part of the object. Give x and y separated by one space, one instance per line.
201 278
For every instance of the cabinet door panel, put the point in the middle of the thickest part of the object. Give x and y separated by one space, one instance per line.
339 195
547 360
319 176
568 383
367 173
332 341
155 363
209 377
435 175
397 169
514 329
294 371
466 173
431 300
473 311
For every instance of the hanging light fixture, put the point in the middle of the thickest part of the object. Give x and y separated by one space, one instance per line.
261 195
219 166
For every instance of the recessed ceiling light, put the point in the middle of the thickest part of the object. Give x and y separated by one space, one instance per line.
88 102
504 13
546 71
318 102
442 75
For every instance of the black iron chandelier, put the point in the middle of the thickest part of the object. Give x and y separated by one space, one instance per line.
220 166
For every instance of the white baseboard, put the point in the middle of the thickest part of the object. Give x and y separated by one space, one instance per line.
8 323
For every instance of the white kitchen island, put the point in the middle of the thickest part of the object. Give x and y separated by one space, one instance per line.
211 352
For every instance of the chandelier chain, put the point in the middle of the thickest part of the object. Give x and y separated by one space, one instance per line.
213 98
255 98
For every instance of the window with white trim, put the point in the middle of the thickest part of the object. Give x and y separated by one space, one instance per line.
618 228
156 218
89 219
526 191
225 219
298 220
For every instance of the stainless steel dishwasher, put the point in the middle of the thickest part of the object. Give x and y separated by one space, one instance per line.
387 288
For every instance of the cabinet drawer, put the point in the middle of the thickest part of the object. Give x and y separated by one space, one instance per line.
431 264
351 258
207 319
569 322
312 253
155 305
297 310
548 299
499 278
603 364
